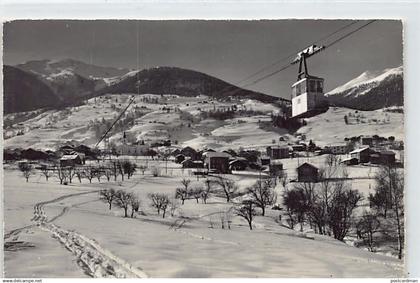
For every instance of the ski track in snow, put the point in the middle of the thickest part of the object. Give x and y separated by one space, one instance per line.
95 260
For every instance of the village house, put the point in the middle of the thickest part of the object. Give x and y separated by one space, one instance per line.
179 158
278 152
70 160
238 164
190 152
307 173
218 161
383 157
361 154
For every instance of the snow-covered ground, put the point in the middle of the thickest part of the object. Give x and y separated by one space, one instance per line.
180 246
330 128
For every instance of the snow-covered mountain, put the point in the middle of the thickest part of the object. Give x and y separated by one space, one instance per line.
370 90
70 78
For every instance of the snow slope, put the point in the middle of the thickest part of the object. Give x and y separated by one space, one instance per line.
329 128
179 246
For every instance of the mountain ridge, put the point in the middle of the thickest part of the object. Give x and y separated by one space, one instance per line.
370 90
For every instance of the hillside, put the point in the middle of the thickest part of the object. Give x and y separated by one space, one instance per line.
330 128
71 79
183 82
23 91
370 90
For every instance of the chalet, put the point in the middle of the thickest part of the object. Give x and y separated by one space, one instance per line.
189 152
238 164
278 152
384 157
192 164
361 154
66 149
70 160
276 167
387 157
179 158
218 161
307 173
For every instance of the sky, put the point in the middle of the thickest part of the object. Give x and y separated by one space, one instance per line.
229 50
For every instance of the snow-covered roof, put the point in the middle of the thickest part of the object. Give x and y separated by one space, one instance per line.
359 150
306 164
211 154
69 157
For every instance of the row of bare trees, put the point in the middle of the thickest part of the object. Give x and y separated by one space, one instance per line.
327 206
66 174
122 199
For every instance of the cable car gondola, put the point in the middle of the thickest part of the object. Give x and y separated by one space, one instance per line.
308 92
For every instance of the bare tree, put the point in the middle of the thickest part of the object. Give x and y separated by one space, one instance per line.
247 211
135 205
186 183
228 187
129 168
160 202
47 171
297 205
341 214
196 192
107 195
367 226
206 190
89 173
182 194
123 200
262 194
61 175
107 173
390 182
173 206
80 173
114 169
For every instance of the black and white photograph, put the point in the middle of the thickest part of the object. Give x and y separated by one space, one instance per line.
204 148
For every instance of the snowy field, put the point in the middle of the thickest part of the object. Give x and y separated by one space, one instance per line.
182 245
329 128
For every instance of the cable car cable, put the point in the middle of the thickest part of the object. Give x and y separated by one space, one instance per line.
326 46
294 53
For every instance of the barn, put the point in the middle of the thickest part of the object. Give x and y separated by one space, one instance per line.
361 154
218 161
70 160
307 173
